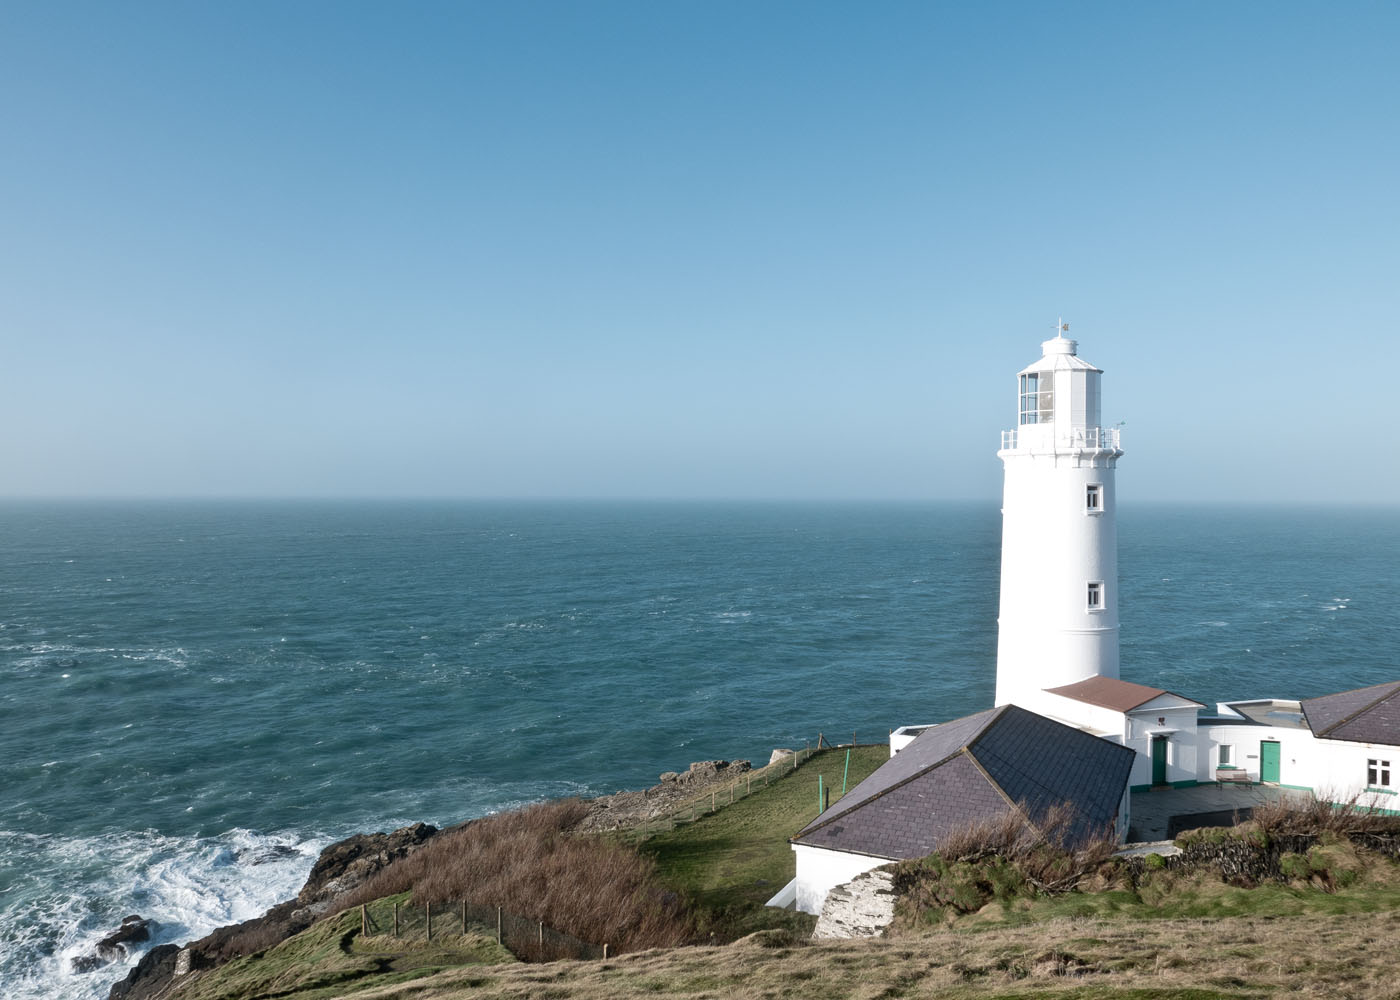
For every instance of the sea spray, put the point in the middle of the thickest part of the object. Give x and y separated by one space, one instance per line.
62 895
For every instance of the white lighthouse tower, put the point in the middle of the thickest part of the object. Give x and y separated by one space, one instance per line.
1059 545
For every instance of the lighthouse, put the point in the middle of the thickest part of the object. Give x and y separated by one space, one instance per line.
1058 621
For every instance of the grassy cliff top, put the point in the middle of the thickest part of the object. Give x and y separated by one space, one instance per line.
1330 927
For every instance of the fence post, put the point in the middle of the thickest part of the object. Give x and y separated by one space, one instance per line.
396 920
731 794
364 921
428 908
605 951
541 933
712 796
498 925
464 918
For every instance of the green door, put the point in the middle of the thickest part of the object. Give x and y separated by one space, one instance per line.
1268 760
1159 760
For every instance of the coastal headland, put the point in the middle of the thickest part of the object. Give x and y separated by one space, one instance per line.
1289 902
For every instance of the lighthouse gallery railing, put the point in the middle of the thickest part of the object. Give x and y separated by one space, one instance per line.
1077 437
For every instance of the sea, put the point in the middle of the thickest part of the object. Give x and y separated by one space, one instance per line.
197 697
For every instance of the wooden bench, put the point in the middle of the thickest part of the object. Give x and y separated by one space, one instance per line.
1236 774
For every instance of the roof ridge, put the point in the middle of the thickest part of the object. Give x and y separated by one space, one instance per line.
1394 690
822 824
998 712
996 786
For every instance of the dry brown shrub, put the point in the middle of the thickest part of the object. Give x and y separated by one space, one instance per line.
1313 816
1051 851
1008 835
529 863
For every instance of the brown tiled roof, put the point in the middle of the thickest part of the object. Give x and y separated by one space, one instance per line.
1110 692
975 769
1364 715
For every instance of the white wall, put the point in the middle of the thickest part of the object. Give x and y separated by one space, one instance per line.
904 735
1092 718
1051 548
1298 752
820 870
1334 770
1178 725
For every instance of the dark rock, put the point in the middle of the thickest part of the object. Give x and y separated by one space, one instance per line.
114 947
87 963
265 855
150 976
348 863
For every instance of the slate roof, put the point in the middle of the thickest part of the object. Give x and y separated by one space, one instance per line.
974 769
1110 692
1365 715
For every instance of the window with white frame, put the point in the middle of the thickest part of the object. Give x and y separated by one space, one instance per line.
1037 397
1095 596
1227 755
1377 773
1093 498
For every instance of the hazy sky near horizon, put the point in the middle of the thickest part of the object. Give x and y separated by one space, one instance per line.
773 250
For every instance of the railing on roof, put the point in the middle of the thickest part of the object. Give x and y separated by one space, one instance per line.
1092 438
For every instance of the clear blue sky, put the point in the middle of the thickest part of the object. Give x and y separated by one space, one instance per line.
787 250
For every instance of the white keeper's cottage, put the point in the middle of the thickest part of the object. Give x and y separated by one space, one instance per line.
1066 728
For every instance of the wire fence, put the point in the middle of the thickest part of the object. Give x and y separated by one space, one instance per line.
531 940
721 794
527 939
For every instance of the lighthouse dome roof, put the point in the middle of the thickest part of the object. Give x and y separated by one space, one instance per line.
1059 354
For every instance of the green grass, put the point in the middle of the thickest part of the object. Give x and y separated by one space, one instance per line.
330 959
1201 895
729 863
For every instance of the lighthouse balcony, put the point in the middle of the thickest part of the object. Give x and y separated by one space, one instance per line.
1047 437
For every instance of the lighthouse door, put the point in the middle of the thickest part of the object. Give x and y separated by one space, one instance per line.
1159 760
1268 760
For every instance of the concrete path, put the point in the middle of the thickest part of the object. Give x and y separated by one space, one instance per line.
1164 812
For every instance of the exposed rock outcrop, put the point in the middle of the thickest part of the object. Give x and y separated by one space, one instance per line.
347 864
627 809
861 908
341 867
115 946
150 976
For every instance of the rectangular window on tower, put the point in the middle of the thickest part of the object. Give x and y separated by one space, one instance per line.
1093 498
1095 602
1377 773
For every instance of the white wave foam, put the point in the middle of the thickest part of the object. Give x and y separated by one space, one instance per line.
66 894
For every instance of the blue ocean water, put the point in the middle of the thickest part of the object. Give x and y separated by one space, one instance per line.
195 697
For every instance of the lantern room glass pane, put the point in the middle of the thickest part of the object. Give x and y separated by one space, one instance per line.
1037 397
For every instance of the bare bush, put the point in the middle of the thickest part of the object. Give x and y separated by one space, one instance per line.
1314 815
530 863
1053 852
1008 835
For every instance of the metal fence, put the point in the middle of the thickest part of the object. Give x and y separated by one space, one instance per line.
529 940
